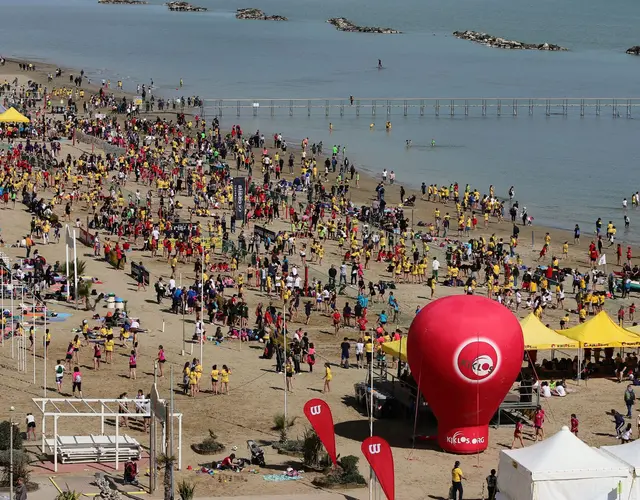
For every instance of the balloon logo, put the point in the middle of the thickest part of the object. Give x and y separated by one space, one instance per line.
465 352
477 360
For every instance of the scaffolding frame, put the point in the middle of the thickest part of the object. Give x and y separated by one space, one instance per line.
99 408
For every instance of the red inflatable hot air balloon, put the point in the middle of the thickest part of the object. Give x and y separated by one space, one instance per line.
465 352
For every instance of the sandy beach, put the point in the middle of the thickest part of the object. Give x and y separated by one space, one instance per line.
256 390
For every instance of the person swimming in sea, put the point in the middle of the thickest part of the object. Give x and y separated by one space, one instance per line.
433 143
408 141
379 63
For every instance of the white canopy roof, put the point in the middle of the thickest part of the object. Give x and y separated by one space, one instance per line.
563 456
628 453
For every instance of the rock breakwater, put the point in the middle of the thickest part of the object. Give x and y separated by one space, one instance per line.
257 14
343 24
502 43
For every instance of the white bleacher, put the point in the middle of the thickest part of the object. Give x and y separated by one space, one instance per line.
86 449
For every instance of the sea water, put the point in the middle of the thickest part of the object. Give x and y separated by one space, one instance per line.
566 169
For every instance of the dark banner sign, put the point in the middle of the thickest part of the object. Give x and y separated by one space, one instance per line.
139 272
263 233
239 195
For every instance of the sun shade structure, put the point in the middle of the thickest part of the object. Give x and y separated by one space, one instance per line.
97 408
562 467
538 336
13 116
602 331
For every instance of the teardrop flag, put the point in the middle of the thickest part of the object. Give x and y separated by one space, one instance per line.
319 415
378 453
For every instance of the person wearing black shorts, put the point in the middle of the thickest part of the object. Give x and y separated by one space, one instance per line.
77 381
31 426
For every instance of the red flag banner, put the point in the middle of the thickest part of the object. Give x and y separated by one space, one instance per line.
319 415
378 453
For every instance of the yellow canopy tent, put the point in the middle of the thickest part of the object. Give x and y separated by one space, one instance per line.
634 329
397 348
602 331
538 336
13 116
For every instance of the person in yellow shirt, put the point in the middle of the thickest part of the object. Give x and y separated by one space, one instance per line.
456 481
108 349
197 368
215 378
193 383
224 379
328 376
582 315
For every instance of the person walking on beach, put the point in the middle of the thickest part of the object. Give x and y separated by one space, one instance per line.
517 434
77 382
492 485
629 399
59 371
538 423
133 363
456 482
574 424
327 378
21 490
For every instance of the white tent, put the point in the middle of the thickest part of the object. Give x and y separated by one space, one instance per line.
561 467
629 454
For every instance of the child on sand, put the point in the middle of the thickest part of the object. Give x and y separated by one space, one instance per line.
132 365
77 381
517 434
327 378
161 359
224 379
575 423
538 422
215 376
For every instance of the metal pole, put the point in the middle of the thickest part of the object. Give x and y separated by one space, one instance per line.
55 442
171 407
117 439
11 459
2 306
284 371
184 342
35 340
202 309
12 314
167 445
66 249
44 346
75 268
153 437
180 442
372 476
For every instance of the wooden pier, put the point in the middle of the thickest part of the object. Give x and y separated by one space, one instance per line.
621 107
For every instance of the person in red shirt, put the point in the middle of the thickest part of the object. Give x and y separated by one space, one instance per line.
574 424
621 316
517 434
538 422
336 321
632 311
619 254
228 463
629 255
